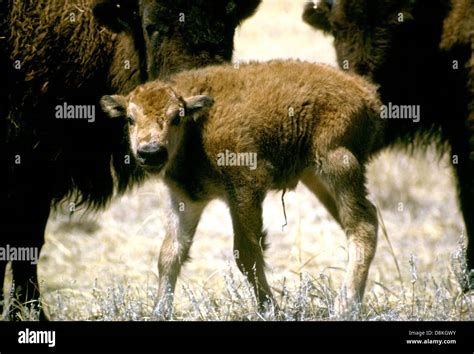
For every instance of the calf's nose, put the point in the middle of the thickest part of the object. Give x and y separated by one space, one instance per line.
153 154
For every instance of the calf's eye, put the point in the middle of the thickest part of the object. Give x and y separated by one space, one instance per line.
175 120
130 120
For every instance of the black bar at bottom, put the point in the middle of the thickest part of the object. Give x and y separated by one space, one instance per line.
291 337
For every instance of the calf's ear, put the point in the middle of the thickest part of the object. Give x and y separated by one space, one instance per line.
198 106
317 13
116 15
114 106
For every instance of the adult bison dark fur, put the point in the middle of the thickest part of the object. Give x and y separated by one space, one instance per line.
201 31
52 52
420 52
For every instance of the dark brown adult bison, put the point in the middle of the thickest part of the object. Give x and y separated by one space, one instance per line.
420 52
57 62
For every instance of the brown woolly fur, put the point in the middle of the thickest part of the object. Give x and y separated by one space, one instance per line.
419 52
298 121
68 53
458 35
459 25
62 56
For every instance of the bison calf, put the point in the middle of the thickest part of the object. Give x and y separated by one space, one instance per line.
235 134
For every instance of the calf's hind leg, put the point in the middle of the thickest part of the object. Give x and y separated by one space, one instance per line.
345 176
182 223
315 185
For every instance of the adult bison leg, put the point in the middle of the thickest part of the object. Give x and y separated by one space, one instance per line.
465 176
2 281
28 215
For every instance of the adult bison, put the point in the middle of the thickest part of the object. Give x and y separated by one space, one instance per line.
420 52
57 62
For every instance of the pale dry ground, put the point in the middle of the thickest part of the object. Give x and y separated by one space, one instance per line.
103 266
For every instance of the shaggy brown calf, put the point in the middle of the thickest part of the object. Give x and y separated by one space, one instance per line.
235 134
420 53
55 58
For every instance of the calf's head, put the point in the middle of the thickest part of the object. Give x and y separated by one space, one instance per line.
157 119
176 35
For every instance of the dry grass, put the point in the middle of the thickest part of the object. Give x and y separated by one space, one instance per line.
103 266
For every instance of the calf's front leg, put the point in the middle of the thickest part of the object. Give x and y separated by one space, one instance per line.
183 220
249 242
